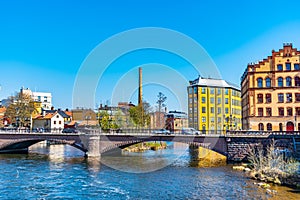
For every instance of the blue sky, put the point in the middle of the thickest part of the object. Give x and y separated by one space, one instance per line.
44 43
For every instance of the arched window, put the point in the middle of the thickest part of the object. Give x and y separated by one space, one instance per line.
268 82
280 127
260 82
280 82
297 81
261 126
288 81
269 127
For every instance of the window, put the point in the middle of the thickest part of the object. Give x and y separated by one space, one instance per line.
280 98
269 112
260 112
280 126
203 119
297 97
298 112
226 91
260 98
279 67
261 126
281 111
219 119
212 100
203 110
195 90
280 82
289 111
226 110
203 90
212 91
190 90
219 100
203 100
289 97
39 98
288 66
219 110
226 100
297 81
219 91
54 122
269 127
268 98
288 81
190 100
259 82
212 110
268 82
59 122
296 66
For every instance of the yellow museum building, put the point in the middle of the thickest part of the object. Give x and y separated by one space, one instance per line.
214 105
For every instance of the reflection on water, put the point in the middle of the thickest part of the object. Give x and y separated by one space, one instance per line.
62 172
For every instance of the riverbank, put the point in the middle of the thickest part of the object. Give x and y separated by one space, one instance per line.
271 176
141 147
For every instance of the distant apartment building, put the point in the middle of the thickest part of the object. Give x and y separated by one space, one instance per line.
270 92
176 121
214 105
44 97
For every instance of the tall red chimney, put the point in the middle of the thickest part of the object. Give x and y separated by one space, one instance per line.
140 101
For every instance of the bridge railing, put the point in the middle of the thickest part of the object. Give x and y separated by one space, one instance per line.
262 133
28 130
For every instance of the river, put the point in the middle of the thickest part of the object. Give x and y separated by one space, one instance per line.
61 172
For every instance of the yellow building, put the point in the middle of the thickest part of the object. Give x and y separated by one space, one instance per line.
270 92
214 105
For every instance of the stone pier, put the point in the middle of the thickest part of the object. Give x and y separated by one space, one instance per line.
93 146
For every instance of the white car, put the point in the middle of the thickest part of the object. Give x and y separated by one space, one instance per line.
162 131
190 131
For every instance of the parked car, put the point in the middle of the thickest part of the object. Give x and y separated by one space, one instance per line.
69 130
190 131
162 131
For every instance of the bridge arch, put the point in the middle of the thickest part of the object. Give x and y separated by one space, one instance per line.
23 144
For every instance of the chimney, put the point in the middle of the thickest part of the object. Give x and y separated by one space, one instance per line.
140 98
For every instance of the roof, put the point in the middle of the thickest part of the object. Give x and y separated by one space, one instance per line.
47 116
62 113
2 109
211 82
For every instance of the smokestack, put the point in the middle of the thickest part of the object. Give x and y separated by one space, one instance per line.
140 86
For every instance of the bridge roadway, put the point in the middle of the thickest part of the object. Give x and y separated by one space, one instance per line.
234 145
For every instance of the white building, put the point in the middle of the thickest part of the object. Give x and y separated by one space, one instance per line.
44 97
51 121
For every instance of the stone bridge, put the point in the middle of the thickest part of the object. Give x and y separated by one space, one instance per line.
234 145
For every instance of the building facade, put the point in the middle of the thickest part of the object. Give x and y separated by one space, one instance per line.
44 97
176 121
214 105
270 92
48 122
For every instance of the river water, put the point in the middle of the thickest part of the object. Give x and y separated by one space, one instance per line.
61 172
